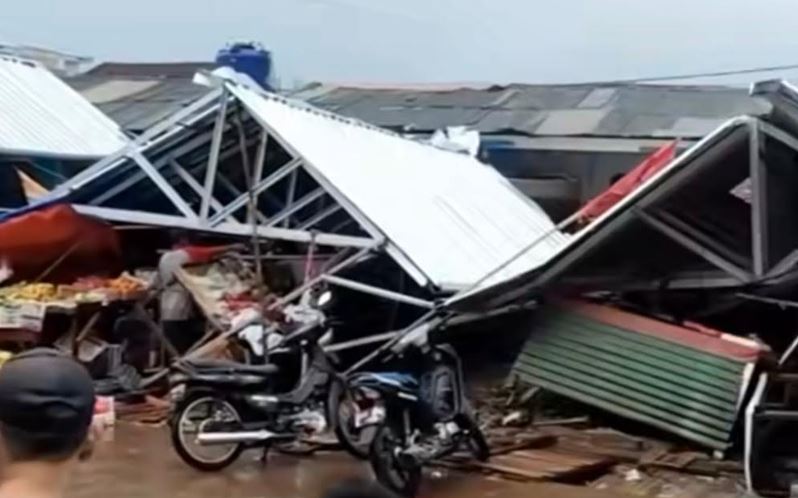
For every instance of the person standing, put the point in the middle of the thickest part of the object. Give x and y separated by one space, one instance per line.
46 408
178 318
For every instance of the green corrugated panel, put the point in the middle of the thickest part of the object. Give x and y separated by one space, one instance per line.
682 390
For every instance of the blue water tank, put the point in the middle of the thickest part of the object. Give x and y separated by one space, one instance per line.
248 58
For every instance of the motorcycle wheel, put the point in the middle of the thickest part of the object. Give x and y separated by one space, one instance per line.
185 425
400 475
475 439
340 416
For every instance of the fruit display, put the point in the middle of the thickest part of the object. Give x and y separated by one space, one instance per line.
30 292
86 289
126 284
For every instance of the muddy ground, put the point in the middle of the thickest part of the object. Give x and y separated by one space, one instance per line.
140 463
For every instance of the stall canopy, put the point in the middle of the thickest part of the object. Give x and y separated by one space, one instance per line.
445 218
42 116
55 240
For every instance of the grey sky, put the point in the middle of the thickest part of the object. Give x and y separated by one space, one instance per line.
427 40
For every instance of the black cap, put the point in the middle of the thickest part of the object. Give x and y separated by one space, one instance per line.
46 394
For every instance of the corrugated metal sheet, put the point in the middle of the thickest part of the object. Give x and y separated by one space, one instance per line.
630 110
678 380
40 115
454 217
137 102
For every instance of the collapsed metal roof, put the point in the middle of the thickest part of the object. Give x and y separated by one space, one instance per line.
609 110
42 116
720 215
444 217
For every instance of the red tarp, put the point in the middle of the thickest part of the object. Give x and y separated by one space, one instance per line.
33 241
630 181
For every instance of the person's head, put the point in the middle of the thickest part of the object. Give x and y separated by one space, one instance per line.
357 488
179 237
46 407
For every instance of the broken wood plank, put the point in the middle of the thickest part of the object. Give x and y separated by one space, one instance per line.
539 441
561 421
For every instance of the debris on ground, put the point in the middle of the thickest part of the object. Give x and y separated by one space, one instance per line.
149 410
538 437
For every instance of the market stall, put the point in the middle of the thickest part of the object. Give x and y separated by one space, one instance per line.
27 308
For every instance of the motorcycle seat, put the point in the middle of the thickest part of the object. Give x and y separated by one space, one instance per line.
232 367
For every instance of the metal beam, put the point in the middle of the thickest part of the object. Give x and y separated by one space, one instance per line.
346 263
260 160
301 203
267 182
690 244
192 182
703 238
379 292
157 134
677 281
289 198
318 218
779 134
164 186
138 176
785 265
213 157
759 209
233 229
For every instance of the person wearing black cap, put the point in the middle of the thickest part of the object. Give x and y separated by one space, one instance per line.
46 409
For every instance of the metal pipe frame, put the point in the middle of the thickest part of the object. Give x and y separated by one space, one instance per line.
134 179
213 157
155 135
289 199
192 183
260 160
264 184
162 184
690 244
234 229
353 259
318 218
759 208
365 223
378 292
290 209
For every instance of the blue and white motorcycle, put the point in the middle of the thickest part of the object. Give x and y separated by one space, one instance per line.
426 414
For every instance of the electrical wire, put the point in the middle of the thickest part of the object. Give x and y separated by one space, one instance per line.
690 76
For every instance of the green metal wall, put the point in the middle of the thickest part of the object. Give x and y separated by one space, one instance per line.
685 391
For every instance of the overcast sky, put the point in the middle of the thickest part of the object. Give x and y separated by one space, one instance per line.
428 40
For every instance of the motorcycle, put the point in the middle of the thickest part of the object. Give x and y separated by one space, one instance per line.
427 414
228 407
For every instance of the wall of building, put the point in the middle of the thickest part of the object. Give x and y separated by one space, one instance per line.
561 181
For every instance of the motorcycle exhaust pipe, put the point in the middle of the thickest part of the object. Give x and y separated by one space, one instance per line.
212 438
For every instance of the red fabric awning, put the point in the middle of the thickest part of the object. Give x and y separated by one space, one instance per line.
33 241
630 181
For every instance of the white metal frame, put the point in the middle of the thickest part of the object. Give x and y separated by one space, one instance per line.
213 215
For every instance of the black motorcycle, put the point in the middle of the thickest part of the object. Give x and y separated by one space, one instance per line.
426 414
228 407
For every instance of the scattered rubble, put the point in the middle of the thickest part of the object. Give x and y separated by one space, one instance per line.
548 440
